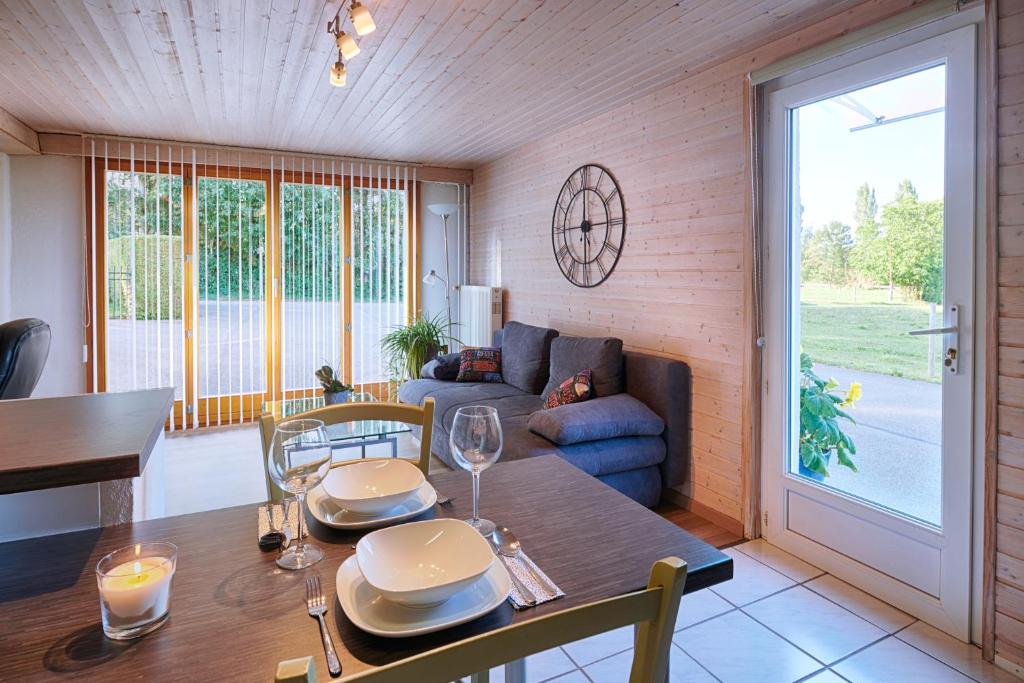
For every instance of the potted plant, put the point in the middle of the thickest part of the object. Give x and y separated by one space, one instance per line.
407 348
335 391
821 434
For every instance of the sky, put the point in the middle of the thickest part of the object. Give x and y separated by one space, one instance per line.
833 161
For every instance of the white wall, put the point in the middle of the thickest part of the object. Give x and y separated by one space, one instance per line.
432 248
47 261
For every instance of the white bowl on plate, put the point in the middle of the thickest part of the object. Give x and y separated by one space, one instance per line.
422 564
373 486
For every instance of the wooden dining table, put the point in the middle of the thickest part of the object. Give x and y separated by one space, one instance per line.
235 614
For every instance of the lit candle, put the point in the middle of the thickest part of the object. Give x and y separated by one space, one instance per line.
135 588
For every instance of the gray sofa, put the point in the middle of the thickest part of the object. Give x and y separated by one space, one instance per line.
638 466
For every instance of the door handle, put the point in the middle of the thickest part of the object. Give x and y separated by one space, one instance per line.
950 357
933 330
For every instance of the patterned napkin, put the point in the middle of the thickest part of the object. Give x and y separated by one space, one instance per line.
520 565
289 525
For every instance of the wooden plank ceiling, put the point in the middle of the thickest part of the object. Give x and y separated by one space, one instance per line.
452 82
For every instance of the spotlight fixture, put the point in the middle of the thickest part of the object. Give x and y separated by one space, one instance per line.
339 74
347 45
361 18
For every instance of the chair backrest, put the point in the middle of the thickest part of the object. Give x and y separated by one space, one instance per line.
653 610
24 346
340 413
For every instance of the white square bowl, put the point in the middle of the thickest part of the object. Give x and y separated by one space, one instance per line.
422 564
373 486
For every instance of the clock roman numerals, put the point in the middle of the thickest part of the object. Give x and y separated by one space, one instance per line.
588 228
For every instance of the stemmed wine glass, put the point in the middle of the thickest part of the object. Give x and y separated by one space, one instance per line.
476 441
299 459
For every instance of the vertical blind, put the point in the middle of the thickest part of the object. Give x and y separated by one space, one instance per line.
232 275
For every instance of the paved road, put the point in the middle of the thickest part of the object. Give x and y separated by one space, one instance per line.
233 362
898 438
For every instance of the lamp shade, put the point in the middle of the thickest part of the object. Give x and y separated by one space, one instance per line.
339 74
361 19
432 278
347 45
444 209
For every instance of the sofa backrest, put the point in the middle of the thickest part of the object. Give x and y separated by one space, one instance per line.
664 385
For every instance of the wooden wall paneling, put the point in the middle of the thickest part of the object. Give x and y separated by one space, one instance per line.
682 287
991 351
1004 540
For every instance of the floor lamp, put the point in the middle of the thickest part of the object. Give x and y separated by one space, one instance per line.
431 278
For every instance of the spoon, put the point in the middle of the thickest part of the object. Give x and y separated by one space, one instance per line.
508 545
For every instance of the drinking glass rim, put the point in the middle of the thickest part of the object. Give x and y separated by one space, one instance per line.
291 426
476 411
169 557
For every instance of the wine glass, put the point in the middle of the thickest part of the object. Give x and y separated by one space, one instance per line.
476 442
299 459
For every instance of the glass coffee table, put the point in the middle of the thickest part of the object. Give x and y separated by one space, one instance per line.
347 435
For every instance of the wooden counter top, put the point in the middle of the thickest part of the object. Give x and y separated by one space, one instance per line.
84 439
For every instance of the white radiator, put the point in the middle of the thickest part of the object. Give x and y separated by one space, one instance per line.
479 315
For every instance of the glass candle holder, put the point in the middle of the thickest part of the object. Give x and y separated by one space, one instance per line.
135 588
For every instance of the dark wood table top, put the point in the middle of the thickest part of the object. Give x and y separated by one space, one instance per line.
83 439
235 615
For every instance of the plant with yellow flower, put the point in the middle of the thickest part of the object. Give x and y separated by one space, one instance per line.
821 409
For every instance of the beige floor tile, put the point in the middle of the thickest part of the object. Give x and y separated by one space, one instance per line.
751 580
894 660
682 669
882 615
542 666
737 649
589 650
817 626
779 560
963 657
700 605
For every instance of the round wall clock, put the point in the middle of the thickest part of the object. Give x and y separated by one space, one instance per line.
589 226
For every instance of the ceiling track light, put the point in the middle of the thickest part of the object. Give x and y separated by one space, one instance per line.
361 18
347 47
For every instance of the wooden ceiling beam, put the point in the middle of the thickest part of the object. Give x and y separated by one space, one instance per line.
16 137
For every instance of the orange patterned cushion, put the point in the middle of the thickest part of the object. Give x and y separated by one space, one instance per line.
479 365
579 387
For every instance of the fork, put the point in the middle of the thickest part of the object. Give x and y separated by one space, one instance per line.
443 500
317 607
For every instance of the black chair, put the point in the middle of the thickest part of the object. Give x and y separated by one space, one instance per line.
24 346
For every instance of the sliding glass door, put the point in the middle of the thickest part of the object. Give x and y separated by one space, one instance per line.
233 284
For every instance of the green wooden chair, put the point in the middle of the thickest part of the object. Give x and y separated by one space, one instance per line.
653 610
354 412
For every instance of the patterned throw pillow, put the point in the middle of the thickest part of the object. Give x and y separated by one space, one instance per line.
579 387
480 365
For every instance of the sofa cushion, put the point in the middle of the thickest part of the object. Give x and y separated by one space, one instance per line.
576 389
480 365
603 355
444 367
601 418
526 355
614 455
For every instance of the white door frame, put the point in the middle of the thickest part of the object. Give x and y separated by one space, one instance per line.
946 602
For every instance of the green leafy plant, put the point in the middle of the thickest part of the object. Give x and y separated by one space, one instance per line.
821 409
407 348
330 382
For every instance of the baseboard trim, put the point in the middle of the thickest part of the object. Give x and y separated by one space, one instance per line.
733 526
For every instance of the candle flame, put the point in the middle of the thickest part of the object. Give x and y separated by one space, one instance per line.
137 568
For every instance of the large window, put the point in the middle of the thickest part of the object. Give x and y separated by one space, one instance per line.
233 283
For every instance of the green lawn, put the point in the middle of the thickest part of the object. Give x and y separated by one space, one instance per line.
861 330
